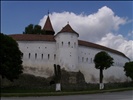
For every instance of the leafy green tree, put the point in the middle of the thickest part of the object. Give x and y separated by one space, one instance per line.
29 29
102 61
33 29
10 58
128 68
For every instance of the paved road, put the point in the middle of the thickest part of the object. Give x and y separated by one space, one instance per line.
126 95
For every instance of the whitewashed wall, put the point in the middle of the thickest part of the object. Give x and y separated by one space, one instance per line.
38 63
87 67
67 50
72 58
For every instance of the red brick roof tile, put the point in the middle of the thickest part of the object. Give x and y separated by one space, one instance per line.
68 28
32 37
93 45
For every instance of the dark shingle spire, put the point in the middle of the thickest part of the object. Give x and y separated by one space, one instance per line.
48 27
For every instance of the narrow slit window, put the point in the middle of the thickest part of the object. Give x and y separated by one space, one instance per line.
54 56
75 44
82 59
62 43
29 55
42 56
86 59
68 44
91 60
35 55
48 56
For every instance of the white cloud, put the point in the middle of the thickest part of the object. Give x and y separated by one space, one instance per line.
94 27
118 42
90 27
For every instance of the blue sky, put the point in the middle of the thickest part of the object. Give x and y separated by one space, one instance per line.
108 23
15 15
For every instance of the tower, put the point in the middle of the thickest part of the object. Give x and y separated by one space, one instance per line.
67 48
48 29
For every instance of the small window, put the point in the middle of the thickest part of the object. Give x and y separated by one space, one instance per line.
42 56
35 55
48 56
68 44
54 56
82 59
29 55
62 43
86 59
91 60
75 44
78 58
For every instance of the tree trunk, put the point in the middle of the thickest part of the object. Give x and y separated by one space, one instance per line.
101 79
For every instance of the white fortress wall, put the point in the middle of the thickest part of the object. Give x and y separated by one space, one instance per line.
38 57
87 67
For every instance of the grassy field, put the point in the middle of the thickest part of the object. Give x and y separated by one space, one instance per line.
25 93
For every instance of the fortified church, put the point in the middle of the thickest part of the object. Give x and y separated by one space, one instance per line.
41 52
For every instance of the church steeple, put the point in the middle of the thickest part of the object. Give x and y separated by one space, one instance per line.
48 29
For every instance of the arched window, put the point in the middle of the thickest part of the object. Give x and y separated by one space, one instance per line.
48 56
29 55
35 55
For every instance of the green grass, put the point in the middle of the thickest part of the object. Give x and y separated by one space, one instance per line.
44 93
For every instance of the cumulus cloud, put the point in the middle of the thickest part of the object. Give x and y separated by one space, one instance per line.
90 27
118 42
94 27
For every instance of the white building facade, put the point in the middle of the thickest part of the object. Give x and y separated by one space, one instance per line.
41 52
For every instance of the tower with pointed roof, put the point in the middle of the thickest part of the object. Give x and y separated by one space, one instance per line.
67 51
48 29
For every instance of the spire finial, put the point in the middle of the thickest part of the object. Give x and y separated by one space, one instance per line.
48 12
67 22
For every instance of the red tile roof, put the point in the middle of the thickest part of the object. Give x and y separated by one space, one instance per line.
93 45
32 37
37 37
48 25
68 28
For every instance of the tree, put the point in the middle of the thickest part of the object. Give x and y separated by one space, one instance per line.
10 58
33 29
128 68
57 77
102 61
